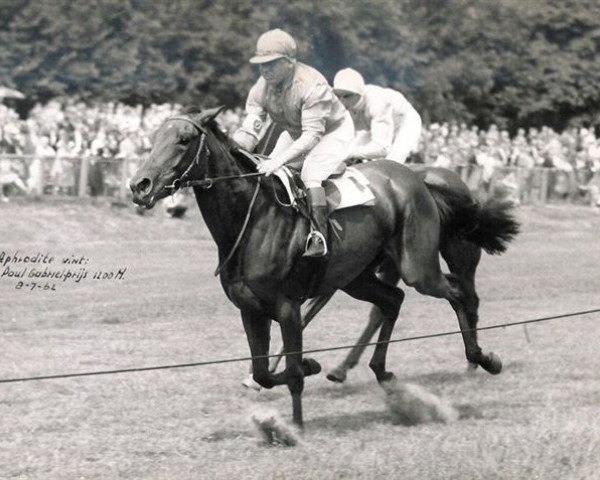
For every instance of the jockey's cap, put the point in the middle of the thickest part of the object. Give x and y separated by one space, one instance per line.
348 80
274 44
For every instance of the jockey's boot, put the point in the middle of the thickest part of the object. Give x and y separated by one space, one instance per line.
316 243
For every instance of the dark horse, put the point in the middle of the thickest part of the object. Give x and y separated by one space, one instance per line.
260 242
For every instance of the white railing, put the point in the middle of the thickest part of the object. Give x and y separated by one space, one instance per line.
94 176
77 175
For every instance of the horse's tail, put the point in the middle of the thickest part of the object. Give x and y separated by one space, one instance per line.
490 224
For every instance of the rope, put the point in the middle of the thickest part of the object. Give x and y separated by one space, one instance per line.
315 350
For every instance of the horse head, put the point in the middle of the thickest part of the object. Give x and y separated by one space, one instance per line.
178 152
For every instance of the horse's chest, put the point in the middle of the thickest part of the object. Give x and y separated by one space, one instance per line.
263 265
241 295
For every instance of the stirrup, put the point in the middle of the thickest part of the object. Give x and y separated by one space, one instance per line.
315 236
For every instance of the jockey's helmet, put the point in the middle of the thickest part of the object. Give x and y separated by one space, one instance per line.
348 80
274 44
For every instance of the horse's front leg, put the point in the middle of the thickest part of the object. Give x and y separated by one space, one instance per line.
388 273
308 311
339 373
258 333
287 312
387 299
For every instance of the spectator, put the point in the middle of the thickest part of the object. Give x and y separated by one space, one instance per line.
32 147
9 168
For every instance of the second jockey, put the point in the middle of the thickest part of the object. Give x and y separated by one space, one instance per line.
387 125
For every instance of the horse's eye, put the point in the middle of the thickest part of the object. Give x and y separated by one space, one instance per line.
184 140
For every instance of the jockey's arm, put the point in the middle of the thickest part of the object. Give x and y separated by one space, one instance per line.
382 136
248 135
315 110
305 143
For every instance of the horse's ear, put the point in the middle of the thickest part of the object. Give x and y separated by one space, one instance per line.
211 113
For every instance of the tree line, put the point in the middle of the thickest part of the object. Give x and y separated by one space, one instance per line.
510 62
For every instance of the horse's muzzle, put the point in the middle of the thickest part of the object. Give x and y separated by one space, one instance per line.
142 189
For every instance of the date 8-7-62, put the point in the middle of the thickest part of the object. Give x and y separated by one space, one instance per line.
35 286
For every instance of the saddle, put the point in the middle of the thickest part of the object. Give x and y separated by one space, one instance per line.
347 187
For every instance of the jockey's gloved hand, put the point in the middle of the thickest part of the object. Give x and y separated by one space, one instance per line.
270 166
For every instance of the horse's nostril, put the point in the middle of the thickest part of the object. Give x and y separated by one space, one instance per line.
141 186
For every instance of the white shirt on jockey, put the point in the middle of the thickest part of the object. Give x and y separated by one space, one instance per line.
387 125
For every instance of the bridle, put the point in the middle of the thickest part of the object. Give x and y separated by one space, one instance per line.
206 183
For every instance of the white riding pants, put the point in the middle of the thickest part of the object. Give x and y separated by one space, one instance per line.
325 158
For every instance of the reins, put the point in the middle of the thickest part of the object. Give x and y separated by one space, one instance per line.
243 229
207 183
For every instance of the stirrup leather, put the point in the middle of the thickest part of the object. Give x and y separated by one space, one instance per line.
317 236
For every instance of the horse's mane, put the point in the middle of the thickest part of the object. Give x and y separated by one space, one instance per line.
229 147
225 144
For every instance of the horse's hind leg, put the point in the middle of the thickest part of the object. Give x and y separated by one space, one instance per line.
419 250
387 299
462 258
388 273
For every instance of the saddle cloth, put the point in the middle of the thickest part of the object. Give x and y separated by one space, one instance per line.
349 189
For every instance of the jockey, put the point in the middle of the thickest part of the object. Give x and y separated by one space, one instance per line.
317 129
387 125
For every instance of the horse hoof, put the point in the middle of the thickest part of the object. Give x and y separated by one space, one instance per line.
492 364
337 375
471 367
250 383
386 377
311 367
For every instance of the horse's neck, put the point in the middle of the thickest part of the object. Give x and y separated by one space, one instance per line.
225 205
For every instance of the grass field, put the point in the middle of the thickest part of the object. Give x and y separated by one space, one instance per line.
539 419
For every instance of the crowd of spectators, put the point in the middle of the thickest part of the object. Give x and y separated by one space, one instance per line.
41 154
573 155
54 137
